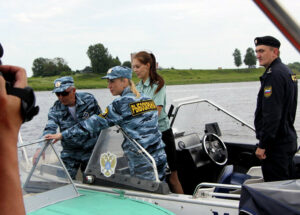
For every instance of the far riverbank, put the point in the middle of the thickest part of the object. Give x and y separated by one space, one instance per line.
171 77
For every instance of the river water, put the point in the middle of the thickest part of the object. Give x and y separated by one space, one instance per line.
237 98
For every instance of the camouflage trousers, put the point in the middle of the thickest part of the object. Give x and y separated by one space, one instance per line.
73 160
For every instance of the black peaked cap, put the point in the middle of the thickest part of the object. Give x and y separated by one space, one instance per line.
267 40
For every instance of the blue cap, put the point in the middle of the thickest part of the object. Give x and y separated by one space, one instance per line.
118 72
63 83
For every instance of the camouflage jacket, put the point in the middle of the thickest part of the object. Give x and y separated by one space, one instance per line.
139 119
60 117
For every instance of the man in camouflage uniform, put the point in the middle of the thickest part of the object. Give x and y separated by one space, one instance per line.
70 110
138 117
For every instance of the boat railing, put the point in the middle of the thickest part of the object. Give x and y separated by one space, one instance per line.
24 151
205 190
218 107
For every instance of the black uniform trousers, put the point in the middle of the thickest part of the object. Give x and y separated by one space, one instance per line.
279 166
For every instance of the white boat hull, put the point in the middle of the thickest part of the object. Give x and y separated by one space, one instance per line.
178 203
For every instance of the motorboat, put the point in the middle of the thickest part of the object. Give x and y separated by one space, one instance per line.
215 158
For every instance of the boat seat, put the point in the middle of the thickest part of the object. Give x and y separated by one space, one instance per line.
227 176
224 178
239 178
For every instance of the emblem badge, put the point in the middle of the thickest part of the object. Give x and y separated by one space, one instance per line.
108 163
57 84
268 91
255 42
85 115
294 78
104 115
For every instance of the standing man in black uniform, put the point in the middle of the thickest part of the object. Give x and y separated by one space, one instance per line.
275 113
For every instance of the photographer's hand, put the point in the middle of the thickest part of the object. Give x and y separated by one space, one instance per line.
10 114
20 74
11 199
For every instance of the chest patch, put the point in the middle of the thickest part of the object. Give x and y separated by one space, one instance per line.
267 91
294 78
85 115
104 115
142 107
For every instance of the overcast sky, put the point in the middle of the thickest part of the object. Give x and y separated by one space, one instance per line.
198 34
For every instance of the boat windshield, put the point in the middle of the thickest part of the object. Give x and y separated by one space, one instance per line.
200 115
110 166
44 181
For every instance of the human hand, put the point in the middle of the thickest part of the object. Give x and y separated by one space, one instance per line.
55 137
260 153
36 154
19 74
10 106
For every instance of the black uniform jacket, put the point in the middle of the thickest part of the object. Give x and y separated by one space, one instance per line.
276 109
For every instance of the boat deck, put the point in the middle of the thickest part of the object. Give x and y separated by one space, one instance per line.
94 202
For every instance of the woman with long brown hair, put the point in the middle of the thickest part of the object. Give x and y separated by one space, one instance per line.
153 85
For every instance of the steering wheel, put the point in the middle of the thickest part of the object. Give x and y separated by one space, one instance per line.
215 148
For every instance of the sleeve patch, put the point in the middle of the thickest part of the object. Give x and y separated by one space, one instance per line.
104 114
267 91
142 107
294 78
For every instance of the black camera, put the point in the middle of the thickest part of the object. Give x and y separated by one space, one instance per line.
28 108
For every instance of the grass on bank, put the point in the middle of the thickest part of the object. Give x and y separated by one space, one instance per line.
171 77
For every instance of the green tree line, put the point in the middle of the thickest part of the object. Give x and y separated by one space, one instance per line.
100 58
249 58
